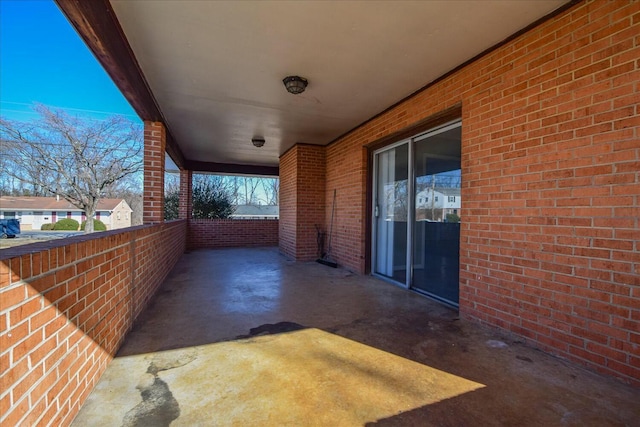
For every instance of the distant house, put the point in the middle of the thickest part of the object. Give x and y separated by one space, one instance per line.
435 203
255 212
32 212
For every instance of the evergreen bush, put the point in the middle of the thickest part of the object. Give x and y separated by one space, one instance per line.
452 218
97 225
66 224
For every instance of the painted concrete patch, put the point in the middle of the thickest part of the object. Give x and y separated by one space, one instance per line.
157 409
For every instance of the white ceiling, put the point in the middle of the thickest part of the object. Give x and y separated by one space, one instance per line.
216 67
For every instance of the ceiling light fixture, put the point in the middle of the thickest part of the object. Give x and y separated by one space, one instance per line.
258 141
295 84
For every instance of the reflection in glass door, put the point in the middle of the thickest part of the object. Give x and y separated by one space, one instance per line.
436 229
416 213
390 211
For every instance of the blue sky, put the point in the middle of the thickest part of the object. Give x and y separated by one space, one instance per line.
42 59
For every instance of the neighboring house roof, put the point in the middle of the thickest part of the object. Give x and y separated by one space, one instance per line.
9 203
442 190
251 210
449 191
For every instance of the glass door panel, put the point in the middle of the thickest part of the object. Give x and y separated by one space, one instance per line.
436 226
390 212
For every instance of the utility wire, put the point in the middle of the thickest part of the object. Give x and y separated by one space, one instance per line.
110 113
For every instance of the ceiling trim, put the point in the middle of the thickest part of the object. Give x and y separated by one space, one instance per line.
97 25
550 15
231 168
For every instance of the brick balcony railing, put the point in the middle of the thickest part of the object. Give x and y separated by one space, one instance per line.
65 308
221 233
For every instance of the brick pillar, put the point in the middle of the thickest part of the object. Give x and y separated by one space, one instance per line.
154 152
302 200
185 207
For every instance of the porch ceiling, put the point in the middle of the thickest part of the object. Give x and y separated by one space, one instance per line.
215 69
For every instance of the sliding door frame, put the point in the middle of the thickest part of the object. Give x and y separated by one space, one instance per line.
372 219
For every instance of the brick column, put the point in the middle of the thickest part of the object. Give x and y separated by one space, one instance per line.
154 152
302 200
185 207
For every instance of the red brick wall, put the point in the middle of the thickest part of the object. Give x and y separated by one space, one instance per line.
185 204
154 158
288 202
550 240
309 209
225 233
347 175
65 307
302 188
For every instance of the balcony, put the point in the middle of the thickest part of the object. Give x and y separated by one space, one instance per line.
547 123
246 336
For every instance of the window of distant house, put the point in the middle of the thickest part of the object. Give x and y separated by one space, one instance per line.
126 216
452 199
436 198
118 215
68 214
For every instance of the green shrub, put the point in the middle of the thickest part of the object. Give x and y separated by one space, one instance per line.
47 226
97 225
66 224
452 218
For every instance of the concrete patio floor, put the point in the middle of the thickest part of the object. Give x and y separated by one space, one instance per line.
244 337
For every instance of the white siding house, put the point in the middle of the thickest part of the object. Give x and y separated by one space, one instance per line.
435 203
33 212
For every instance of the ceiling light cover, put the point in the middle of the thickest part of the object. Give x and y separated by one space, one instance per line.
295 84
258 141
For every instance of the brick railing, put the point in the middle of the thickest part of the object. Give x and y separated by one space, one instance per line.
222 233
65 307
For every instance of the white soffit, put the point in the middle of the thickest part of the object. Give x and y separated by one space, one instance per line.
216 67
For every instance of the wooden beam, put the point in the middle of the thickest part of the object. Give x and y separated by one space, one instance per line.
231 168
96 23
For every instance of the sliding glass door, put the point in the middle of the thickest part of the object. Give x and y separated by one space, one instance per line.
416 213
436 229
390 213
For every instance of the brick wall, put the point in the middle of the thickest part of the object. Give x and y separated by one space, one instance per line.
225 233
302 188
550 239
65 307
185 204
347 175
155 141
288 202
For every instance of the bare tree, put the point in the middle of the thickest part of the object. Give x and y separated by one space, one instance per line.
130 189
271 189
250 190
78 159
234 189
